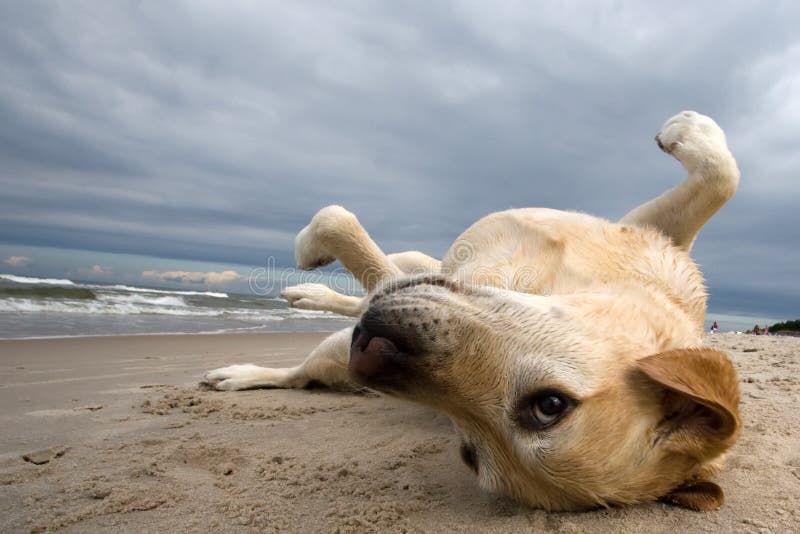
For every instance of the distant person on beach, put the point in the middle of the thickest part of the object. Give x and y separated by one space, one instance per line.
757 330
714 327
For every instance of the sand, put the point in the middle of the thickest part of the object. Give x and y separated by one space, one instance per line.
113 434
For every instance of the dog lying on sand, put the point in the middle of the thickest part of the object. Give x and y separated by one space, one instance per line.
565 348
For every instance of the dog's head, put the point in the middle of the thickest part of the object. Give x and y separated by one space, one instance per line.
551 412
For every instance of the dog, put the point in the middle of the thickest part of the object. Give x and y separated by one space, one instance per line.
566 349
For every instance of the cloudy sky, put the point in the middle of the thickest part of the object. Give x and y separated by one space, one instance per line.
200 136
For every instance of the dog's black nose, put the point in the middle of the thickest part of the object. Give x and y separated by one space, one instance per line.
370 356
379 351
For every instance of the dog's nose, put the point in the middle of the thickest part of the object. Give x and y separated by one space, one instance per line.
370 356
393 336
379 351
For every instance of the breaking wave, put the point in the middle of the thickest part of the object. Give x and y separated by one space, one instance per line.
132 289
31 280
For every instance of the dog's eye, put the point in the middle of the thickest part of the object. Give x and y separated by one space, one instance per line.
543 409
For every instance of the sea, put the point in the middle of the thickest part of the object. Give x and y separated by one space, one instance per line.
50 307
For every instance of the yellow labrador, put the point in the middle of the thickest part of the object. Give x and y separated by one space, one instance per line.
565 348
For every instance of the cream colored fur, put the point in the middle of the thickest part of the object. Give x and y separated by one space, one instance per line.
539 298
322 298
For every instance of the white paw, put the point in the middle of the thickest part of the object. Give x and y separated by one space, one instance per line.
233 377
308 252
693 139
309 248
308 296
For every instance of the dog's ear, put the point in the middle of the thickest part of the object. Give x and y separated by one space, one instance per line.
699 395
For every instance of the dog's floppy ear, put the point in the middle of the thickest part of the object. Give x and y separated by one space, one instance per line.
699 395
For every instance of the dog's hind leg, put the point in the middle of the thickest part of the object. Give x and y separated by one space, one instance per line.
414 262
335 234
322 298
326 365
699 144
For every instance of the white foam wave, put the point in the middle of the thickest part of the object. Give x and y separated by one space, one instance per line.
133 289
117 287
142 299
97 307
141 305
32 280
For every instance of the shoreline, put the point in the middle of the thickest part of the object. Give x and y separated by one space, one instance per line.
167 334
118 436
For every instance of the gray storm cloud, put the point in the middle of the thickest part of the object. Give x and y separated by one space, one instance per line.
214 130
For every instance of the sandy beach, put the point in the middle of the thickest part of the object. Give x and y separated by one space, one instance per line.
113 434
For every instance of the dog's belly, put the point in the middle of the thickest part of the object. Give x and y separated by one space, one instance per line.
524 250
546 252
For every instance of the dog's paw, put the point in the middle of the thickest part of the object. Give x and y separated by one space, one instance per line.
309 252
308 296
309 245
693 139
232 378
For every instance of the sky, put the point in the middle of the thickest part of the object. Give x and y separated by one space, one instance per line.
172 142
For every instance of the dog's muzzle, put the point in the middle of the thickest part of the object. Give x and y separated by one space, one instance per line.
388 343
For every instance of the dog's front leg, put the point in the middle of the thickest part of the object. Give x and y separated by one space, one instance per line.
320 297
326 365
699 144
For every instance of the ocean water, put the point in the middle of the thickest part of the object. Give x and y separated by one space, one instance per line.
49 307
